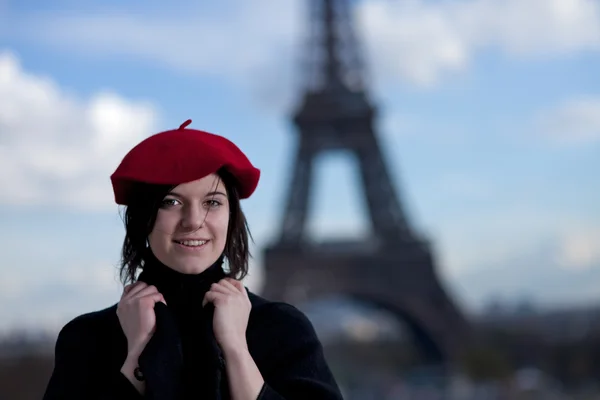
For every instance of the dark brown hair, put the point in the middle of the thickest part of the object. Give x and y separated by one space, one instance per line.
140 216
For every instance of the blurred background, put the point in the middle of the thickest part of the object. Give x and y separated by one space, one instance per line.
488 121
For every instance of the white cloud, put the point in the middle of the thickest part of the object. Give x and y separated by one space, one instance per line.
576 121
579 249
258 44
422 41
561 268
11 286
412 40
56 148
198 42
251 44
47 299
94 278
476 238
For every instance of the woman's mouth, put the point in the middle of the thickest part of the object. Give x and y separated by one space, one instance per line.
191 243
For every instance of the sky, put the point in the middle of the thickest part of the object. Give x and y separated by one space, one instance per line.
489 120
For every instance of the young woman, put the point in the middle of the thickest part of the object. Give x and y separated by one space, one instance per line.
185 326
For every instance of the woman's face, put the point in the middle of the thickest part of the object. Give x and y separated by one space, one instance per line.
190 230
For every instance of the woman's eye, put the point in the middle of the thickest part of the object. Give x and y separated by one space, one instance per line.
213 203
169 202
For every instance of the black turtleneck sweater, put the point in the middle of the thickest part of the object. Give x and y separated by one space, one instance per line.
183 360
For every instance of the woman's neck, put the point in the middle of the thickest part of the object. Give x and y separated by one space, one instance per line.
180 289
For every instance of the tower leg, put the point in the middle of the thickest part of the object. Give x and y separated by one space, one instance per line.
387 218
296 210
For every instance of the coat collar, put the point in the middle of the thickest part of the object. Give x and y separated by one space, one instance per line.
182 292
182 359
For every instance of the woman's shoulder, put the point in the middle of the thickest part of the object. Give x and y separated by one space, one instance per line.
94 324
279 317
279 335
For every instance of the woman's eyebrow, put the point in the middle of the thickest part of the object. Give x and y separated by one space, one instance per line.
216 193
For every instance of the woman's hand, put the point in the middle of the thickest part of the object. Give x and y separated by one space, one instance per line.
136 315
232 310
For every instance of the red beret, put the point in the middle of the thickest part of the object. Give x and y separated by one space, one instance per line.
182 155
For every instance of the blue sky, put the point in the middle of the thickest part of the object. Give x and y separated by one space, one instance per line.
490 124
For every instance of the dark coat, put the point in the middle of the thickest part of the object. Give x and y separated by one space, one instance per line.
91 349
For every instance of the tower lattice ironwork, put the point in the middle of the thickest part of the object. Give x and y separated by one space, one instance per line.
394 268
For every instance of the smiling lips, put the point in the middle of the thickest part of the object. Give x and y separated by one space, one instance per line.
192 243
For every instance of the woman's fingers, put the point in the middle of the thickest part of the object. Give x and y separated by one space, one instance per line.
133 289
143 292
213 297
223 287
153 298
237 285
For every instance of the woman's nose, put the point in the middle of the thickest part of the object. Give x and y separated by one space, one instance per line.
193 217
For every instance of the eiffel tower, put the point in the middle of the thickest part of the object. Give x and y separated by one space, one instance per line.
393 268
